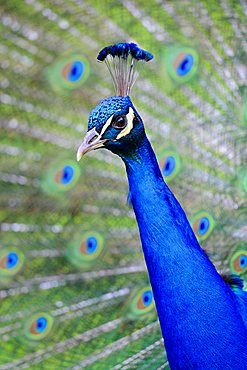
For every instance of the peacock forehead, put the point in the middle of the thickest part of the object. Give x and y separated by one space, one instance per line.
105 109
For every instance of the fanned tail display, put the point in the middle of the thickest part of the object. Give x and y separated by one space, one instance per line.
74 288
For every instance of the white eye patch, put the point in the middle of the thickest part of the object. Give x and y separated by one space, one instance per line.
106 125
130 117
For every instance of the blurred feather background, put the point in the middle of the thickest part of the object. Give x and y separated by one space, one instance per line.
73 283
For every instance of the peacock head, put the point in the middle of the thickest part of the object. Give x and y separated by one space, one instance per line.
114 123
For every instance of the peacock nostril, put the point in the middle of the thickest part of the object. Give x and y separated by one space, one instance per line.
92 139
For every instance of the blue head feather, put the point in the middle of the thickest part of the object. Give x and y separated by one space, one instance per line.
126 146
106 108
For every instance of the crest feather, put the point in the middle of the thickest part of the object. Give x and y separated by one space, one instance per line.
121 60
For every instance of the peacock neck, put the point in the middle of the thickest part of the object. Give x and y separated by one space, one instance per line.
166 235
187 289
164 228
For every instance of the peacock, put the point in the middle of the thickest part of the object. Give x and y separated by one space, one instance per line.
194 303
74 288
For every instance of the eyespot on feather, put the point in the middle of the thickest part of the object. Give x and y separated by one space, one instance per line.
141 303
11 261
68 73
202 224
170 164
181 63
85 249
238 259
61 177
38 326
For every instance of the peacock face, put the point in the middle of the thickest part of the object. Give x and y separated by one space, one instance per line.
113 124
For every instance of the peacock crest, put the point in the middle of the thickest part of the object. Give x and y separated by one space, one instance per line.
121 60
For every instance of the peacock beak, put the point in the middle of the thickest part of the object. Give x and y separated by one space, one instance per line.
91 141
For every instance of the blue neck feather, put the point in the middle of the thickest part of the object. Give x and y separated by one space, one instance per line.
198 312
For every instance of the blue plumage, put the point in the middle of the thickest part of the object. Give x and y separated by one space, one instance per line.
203 320
106 109
198 312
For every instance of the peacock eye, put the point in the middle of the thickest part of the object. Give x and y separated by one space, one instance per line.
119 122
